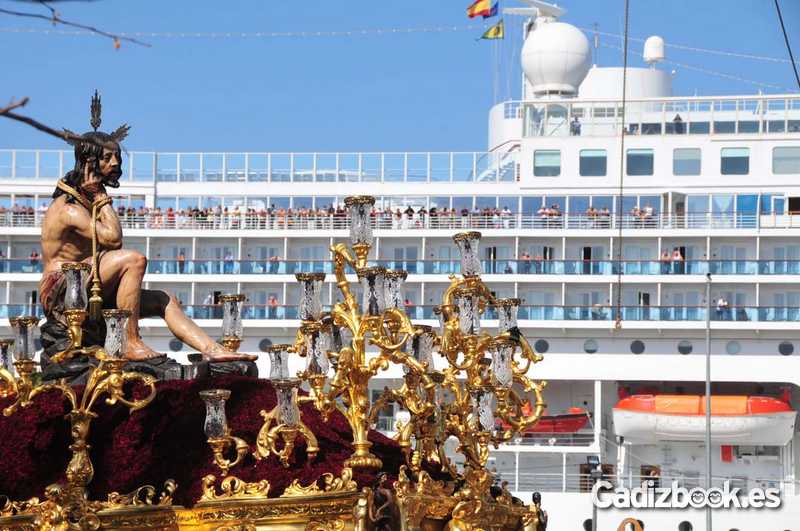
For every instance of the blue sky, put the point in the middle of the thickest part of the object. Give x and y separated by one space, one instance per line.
398 92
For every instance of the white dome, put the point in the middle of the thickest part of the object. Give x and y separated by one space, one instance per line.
555 58
653 50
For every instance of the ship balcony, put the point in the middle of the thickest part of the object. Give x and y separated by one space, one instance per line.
525 267
529 315
752 115
262 221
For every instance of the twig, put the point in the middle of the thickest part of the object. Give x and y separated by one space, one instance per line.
56 19
13 105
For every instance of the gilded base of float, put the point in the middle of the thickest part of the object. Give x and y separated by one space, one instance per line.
326 512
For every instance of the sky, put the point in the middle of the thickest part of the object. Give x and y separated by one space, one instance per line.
416 91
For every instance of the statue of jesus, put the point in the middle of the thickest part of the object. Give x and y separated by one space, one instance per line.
67 237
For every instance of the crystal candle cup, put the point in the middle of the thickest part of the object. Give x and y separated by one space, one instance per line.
232 326
24 335
310 304
468 243
76 275
278 361
507 311
469 319
288 412
502 354
6 357
373 285
216 424
317 343
394 281
116 343
422 346
484 409
359 209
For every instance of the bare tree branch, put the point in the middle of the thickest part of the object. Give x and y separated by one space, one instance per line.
65 134
55 18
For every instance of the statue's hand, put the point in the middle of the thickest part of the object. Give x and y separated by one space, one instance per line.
93 184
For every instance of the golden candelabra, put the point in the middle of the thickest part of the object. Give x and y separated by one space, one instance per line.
67 505
478 396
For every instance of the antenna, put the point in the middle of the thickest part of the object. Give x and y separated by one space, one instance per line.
536 8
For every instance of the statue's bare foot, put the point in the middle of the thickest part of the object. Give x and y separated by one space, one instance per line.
138 351
216 352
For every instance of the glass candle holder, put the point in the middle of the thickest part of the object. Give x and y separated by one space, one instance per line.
6 358
502 354
310 304
288 411
24 335
232 315
216 424
468 243
507 311
373 285
116 343
394 281
484 409
317 343
278 361
469 318
359 209
76 275
422 346
191 371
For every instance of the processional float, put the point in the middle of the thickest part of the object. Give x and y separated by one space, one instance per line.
460 384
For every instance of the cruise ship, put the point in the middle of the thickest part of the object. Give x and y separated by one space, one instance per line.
633 231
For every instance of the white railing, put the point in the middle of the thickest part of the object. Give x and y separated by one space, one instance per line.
660 116
264 220
411 167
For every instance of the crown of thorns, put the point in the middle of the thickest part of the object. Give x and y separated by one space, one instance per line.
95 120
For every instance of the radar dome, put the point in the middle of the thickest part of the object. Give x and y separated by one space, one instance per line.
555 58
653 50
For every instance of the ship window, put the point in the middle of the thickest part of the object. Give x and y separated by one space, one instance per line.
699 128
590 346
541 346
686 161
640 162
547 163
175 345
685 347
685 526
593 162
264 344
749 126
637 346
735 161
786 348
786 160
776 126
724 127
794 126
733 347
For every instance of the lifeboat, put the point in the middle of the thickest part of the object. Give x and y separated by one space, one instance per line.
735 420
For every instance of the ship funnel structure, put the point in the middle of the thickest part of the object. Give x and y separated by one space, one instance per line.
555 56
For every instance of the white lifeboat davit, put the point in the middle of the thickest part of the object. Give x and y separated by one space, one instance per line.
735 420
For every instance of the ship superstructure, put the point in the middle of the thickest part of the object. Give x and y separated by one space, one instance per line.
613 266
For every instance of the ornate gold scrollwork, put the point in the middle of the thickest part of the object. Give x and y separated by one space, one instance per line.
233 488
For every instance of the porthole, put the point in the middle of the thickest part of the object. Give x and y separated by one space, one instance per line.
175 345
733 347
541 346
685 526
637 346
587 524
590 346
786 348
685 347
264 344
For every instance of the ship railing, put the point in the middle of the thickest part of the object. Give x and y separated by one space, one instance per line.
577 313
547 480
751 115
262 220
389 167
578 438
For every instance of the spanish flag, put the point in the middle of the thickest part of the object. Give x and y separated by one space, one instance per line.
480 8
495 32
